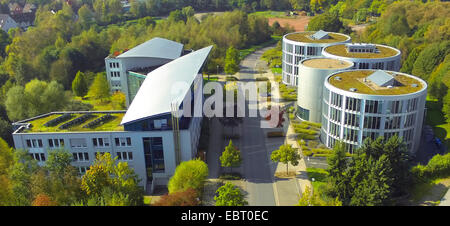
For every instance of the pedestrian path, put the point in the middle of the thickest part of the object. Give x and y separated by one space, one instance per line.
288 191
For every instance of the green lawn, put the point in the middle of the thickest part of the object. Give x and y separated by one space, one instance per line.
271 14
320 177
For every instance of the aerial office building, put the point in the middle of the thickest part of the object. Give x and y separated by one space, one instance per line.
369 103
146 135
313 74
366 56
127 71
300 45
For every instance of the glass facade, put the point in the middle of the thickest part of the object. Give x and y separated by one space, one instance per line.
353 119
135 81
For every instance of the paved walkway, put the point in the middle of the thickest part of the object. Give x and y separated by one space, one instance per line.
289 190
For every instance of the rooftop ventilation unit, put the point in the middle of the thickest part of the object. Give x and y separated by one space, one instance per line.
390 87
337 78
414 85
353 89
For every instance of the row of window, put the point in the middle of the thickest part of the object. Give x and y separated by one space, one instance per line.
79 142
378 65
300 50
115 74
372 106
114 65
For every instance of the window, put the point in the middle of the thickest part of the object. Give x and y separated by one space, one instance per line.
98 154
288 48
300 50
122 141
335 114
350 135
82 169
394 107
289 58
371 122
335 130
311 51
40 157
295 70
351 119
353 104
363 65
55 143
336 99
409 120
78 143
411 105
100 142
379 65
302 113
126 156
392 122
373 106
80 156
371 135
34 143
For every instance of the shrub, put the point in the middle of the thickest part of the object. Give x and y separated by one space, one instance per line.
262 79
437 167
189 174
306 131
181 198
306 136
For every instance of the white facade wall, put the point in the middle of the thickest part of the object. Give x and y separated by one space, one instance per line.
392 63
294 52
137 148
309 92
337 126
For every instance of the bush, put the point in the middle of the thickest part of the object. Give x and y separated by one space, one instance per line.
306 136
306 131
189 174
181 198
437 167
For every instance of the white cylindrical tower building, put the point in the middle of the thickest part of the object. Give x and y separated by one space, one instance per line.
300 45
366 56
358 104
313 72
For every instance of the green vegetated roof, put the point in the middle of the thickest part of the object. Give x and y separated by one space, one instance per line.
112 124
354 79
305 37
341 50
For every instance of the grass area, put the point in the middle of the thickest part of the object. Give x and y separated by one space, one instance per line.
305 37
111 125
98 105
320 178
341 50
245 52
436 119
353 79
270 14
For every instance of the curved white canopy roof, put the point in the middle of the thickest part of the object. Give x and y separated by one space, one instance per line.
157 48
166 85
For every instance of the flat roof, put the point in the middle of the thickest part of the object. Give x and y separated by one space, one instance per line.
358 79
341 50
38 123
305 37
326 63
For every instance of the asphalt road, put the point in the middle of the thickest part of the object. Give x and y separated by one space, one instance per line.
257 168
